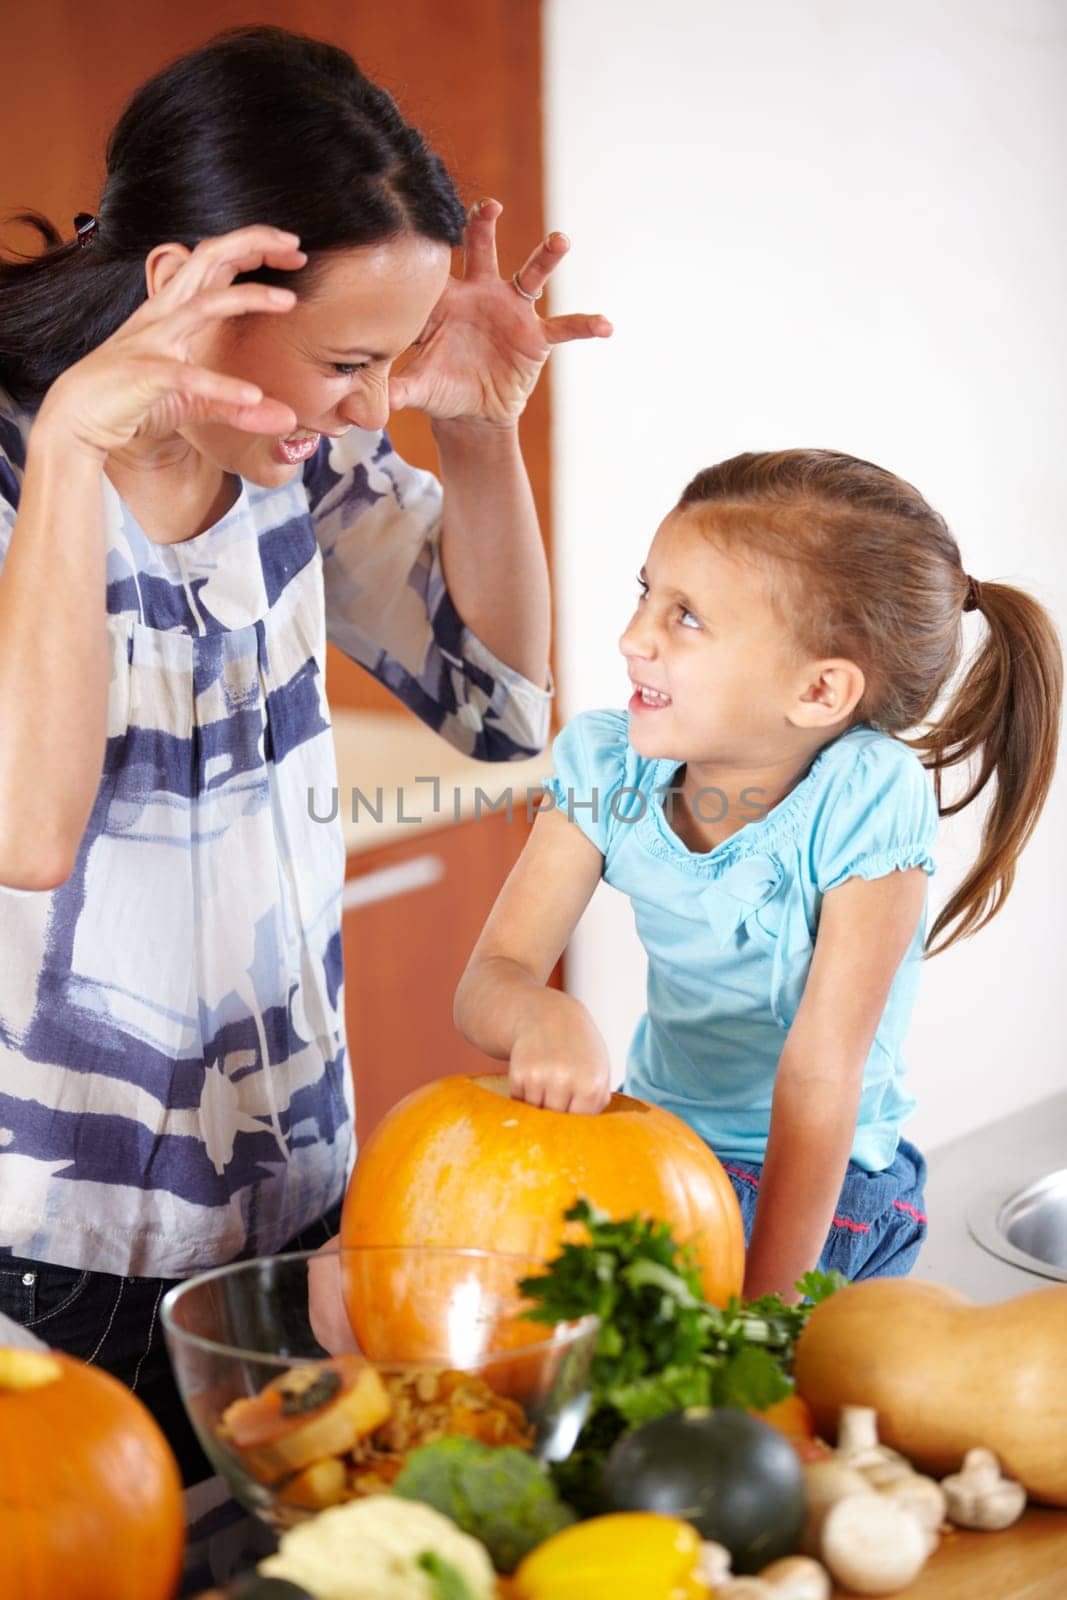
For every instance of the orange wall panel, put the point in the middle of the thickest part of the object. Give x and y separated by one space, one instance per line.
468 72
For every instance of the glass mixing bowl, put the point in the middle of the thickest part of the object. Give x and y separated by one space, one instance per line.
308 1377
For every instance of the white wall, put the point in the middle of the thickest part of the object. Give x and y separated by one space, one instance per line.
831 224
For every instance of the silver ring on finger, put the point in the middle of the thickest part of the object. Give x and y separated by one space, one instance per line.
526 295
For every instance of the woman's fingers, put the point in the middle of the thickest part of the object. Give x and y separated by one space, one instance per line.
214 305
182 387
560 330
542 262
479 240
288 258
264 416
216 261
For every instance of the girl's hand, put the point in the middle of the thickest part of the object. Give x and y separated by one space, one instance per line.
560 1061
484 346
145 379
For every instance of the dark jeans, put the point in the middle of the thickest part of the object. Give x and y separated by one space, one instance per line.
114 1323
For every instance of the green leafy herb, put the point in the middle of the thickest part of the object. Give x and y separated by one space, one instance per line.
661 1346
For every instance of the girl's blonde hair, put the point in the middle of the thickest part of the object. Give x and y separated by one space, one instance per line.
860 566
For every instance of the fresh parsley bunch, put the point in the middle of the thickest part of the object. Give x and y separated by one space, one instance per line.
661 1346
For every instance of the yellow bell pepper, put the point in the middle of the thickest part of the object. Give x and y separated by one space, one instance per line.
636 1553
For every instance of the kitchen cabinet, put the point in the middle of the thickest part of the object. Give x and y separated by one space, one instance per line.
426 857
413 911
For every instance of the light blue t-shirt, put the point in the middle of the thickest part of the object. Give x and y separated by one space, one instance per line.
730 934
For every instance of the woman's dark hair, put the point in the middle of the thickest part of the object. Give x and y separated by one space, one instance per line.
257 126
859 565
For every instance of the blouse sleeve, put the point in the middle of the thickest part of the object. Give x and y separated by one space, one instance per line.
588 771
878 816
12 457
378 525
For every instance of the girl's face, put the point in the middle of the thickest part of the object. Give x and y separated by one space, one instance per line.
328 358
713 673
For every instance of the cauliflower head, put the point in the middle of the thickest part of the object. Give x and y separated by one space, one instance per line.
370 1550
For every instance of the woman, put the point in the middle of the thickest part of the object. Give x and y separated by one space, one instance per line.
195 492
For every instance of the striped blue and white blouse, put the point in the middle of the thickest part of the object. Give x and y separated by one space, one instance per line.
174 1086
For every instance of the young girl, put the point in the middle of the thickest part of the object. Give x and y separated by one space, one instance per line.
797 612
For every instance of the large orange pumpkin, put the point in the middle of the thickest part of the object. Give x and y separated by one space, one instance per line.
90 1494
459 1163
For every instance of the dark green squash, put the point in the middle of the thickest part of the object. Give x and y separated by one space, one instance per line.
735 1478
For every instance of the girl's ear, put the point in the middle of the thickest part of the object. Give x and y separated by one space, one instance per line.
833 691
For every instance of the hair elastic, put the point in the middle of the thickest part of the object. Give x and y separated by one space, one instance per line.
85 226
973 601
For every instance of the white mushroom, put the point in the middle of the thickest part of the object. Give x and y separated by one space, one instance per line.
881 1473
796 1578
714 1564
978 1496
825 1484
924 1498
858 1445
744 1589
888 1471
873 1546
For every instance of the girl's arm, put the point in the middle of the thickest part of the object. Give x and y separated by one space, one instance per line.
557 1057
865 928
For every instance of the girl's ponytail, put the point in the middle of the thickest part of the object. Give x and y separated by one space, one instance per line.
1006 713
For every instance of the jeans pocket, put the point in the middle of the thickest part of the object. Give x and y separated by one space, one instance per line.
18 1293
39 1291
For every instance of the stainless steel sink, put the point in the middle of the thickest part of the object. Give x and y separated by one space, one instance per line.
1029 1228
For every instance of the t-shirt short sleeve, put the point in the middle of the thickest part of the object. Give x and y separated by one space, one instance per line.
589 759
878 815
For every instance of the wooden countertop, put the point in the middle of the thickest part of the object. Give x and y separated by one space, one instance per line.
390 758
1025 1562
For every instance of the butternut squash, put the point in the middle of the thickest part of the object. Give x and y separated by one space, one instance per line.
946 1375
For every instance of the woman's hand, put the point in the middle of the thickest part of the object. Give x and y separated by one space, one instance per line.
145 378
326 1307
559 1059
483 348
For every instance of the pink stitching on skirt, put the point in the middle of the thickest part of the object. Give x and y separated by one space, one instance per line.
837 1222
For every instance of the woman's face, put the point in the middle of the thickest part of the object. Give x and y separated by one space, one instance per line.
329 357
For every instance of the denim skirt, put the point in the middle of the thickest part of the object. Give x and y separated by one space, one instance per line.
879 1221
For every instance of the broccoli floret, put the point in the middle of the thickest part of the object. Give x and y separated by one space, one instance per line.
499 1494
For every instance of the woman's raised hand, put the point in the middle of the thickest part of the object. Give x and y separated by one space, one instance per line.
483 348
145 378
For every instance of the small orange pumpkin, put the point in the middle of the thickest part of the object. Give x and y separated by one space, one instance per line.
458 1163
90 1493
790 1416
